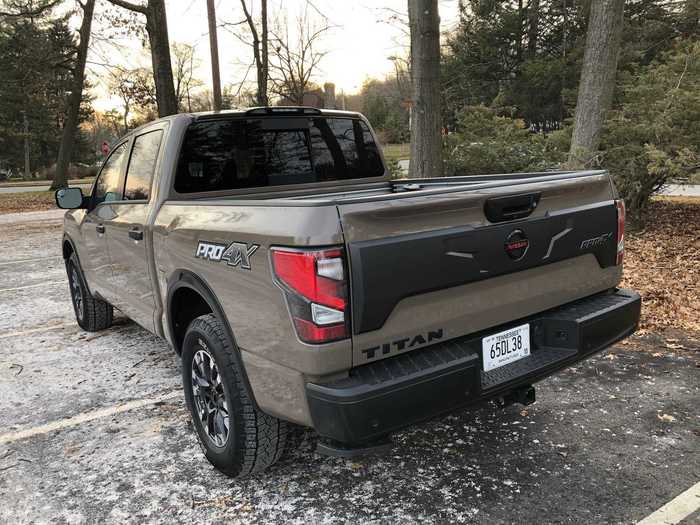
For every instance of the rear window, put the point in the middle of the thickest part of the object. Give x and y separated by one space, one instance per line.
252 153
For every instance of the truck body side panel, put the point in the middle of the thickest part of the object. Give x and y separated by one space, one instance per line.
254 305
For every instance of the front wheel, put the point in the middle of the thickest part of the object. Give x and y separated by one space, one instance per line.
236 437
91 313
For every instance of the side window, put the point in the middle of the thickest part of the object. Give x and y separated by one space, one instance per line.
142 166
107 185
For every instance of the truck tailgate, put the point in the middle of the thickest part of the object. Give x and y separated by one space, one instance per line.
431 265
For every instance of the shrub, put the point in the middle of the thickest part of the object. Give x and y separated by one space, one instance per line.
653 136
488 143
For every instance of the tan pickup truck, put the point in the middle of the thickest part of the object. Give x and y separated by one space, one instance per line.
302 286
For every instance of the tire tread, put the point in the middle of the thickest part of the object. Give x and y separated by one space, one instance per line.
262 436
98 314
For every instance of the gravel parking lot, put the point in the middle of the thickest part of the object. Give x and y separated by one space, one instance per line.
93 428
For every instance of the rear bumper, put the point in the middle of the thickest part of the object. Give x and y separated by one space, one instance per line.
387 395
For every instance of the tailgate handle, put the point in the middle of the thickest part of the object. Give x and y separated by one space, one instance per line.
511 207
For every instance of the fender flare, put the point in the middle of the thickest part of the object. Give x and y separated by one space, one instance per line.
186 279
67 239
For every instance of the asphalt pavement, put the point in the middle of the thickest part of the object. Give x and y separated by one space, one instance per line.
93 428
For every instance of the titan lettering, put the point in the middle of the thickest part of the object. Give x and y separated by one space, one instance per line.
403 344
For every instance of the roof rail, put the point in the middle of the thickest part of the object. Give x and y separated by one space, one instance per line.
283 110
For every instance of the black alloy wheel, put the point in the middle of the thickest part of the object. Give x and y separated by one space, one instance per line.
209 396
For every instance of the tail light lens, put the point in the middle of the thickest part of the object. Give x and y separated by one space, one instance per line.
315 287
620 230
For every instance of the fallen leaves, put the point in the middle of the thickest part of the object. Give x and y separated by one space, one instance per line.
666 418
662 263
27 201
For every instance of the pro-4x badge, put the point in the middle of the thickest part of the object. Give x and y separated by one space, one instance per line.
235 254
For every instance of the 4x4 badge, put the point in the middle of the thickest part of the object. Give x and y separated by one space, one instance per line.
235 254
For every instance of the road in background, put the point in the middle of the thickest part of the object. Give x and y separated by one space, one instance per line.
34 187
682 190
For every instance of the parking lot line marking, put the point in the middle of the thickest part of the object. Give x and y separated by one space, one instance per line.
35 330
11 437
677 509
49 283
19 261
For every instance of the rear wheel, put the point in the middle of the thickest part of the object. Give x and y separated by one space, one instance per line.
236 437
91 313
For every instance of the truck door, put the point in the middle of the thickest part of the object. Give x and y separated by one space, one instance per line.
129 238
95 259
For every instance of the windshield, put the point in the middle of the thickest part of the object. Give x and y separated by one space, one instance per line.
229 154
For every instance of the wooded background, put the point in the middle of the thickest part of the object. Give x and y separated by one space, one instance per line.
496 92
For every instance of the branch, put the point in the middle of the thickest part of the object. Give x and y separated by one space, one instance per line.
30 12
130 6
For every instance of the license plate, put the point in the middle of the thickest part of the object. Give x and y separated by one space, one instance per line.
506 347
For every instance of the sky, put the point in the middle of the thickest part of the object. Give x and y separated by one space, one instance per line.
359 43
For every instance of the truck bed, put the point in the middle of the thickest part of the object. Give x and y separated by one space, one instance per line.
353 191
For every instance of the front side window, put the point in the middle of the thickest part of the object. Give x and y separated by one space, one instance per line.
238 153
107 185
142 166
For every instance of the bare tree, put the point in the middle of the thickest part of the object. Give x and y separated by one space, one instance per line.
597 79
70 126
260 48
184 65
137 92
294 60
157 29
426 140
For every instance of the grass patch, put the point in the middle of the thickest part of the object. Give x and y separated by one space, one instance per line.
26 201
397 151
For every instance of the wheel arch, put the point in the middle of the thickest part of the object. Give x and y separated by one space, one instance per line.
186 286
68 247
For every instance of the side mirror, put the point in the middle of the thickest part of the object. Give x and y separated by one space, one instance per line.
69 198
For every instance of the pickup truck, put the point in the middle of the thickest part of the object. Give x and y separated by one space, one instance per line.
301 285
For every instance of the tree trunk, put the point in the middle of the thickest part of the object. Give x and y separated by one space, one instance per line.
597 79
157 28
265 73
533 12
519 33
214 48
70 126
426 140
259 50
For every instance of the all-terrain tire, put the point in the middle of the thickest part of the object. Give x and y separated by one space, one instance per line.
255 440
92 314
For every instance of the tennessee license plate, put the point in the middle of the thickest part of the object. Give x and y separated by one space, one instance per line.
506 347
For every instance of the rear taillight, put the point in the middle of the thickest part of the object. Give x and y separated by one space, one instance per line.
620 230
315 287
